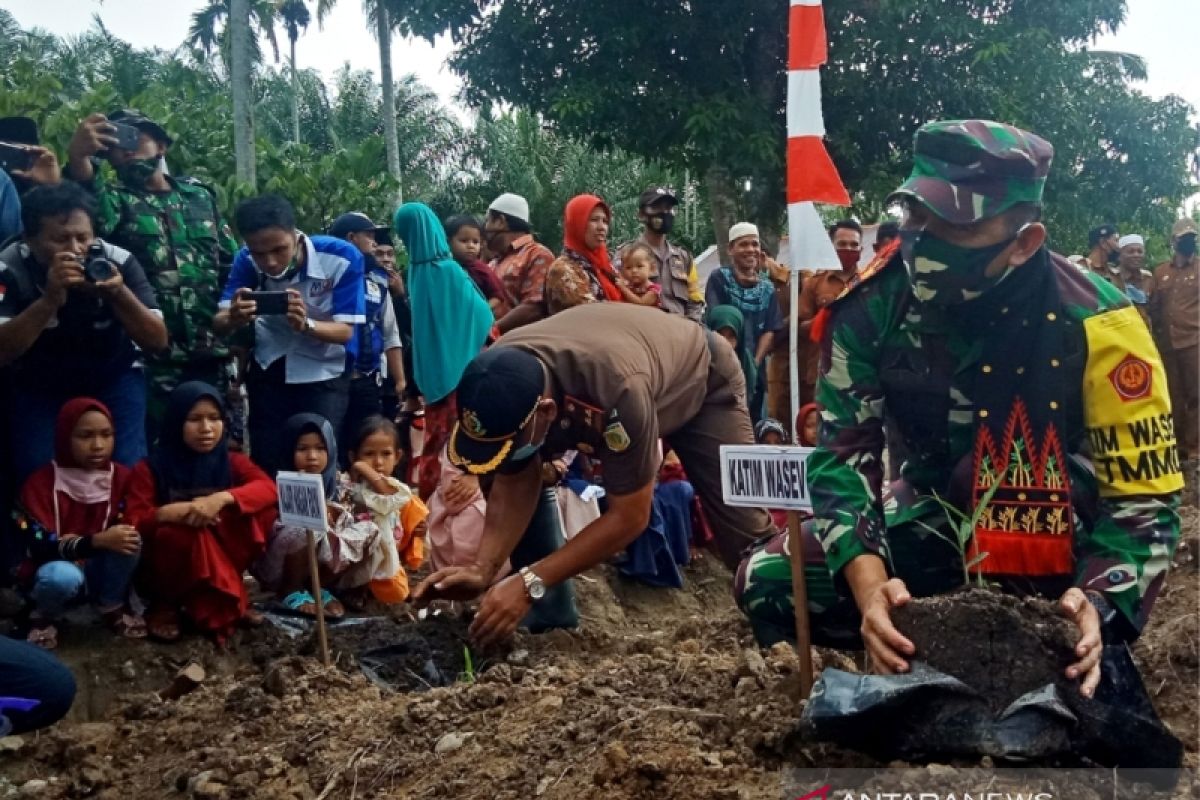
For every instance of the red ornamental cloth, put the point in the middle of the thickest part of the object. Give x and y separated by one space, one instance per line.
575 222
811 175
807 47
200 569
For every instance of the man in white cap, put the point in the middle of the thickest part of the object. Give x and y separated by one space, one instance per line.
520 261
744 288
1131 276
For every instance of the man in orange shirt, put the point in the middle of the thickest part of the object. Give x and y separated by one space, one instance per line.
822 289
521 262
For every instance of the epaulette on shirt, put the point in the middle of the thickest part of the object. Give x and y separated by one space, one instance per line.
873 267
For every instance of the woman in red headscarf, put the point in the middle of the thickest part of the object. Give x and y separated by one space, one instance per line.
70 514
583 273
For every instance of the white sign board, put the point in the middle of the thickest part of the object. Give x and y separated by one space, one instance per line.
302 500
762 476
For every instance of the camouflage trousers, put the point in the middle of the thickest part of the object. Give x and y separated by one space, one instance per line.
162 377
927 563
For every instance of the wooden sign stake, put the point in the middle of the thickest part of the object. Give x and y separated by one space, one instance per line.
322 636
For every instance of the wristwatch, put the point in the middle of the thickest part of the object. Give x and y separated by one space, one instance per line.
533 584
309 325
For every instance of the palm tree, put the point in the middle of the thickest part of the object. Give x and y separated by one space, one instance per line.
240 76
239 39
295 17
380 17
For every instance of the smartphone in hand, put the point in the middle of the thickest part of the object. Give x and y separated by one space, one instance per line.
269 303
127 136
16 157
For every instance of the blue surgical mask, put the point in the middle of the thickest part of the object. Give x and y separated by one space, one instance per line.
527 451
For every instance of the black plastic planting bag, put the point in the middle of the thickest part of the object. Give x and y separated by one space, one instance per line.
926 714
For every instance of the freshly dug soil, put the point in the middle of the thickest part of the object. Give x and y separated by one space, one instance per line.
999 645
661 694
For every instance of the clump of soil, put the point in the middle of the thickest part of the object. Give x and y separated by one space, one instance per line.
999 645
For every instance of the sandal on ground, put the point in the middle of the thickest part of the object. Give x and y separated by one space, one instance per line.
162 624
301 602
124 623
43 634
333 607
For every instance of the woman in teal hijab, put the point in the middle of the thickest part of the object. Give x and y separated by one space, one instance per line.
450 320
728 322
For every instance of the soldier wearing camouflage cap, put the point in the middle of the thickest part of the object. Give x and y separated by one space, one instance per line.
173 227
1017 385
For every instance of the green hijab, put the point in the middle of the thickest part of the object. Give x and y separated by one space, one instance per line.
451 319
721 317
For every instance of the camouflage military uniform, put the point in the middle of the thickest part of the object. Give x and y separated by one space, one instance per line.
186 249
888 347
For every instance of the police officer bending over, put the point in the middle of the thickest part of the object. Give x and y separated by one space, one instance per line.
609 380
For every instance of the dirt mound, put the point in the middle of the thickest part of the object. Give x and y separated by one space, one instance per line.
661 694
999 645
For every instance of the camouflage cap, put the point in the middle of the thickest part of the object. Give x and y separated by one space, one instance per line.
970 170
135 118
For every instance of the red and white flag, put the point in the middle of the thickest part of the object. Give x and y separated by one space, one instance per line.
811 175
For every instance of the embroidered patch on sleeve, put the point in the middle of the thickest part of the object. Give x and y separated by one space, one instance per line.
1126 408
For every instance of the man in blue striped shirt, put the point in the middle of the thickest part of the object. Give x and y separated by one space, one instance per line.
298 363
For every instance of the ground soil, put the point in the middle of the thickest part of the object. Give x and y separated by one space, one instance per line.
999 645
660 694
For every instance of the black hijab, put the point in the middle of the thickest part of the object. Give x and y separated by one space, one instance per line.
180 473
301 424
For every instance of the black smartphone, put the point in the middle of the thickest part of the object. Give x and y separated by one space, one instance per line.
127 136
269 302
16 157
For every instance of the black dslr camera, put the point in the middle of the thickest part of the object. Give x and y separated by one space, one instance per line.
96 266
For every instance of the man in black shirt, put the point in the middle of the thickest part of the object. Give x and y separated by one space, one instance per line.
75 315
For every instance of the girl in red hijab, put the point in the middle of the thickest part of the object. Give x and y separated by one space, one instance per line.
583 273
204 512
70 515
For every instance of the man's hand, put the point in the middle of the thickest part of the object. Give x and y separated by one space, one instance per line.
503 608
94 134
1075 607
242 309
45 169
452 583
123 539
297 313
65 273
886 646
461 490
110 288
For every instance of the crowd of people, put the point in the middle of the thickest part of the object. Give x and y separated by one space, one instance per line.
460 409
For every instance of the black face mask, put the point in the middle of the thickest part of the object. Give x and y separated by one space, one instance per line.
1114 257
1186 245
662 222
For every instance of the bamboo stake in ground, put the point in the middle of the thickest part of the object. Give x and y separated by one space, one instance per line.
322 638
800 601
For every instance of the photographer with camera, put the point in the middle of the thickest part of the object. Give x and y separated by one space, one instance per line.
23 164
172 225
75 312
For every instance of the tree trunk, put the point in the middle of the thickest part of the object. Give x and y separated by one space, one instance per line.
723 206
384 34
243 120
295 98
